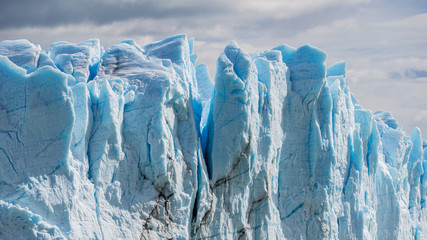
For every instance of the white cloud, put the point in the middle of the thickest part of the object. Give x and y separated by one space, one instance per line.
421 116
290 8
412 23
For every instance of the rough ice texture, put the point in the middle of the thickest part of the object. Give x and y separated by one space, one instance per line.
136 142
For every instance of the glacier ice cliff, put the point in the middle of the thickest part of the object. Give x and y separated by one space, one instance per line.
137 142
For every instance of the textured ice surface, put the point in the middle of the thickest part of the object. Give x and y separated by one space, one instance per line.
137 142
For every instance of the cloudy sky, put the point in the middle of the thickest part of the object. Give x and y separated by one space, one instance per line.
384 42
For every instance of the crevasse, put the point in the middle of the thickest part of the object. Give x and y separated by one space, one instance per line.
137 142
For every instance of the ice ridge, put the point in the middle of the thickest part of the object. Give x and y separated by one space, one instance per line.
137 142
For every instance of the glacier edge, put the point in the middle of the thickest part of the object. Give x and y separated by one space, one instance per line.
137 142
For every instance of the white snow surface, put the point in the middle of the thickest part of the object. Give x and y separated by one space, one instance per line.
137 142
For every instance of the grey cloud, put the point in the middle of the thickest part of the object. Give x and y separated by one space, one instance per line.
24 13
286 27
396 8
258 29
409 74
415 73
37 13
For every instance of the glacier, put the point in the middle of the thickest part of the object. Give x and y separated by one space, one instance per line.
138 142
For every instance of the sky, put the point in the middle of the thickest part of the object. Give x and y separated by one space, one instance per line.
384 42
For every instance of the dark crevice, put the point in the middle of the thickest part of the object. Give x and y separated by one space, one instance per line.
228 177
204 220
242 233
162 202
253 205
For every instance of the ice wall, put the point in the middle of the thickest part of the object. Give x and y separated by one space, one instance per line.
137 142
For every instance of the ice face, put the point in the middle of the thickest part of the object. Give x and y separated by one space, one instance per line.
136 142
78 60
25 54
35 145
